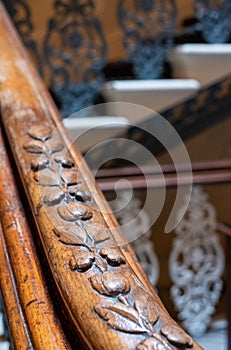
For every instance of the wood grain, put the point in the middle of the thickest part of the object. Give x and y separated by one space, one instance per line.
20 338
108 298
21 276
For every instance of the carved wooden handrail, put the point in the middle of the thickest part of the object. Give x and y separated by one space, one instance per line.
106 297
22 284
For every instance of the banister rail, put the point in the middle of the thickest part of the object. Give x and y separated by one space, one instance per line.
104 292
22 284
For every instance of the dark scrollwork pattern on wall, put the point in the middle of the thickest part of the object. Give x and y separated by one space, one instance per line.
215 19
75 51
147 27
20 13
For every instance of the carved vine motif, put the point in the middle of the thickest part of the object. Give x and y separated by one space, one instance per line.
127 306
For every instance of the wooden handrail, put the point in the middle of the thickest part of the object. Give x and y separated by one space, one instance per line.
21 280
107 298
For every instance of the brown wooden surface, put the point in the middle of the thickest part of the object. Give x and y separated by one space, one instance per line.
28 304
107 297
20 338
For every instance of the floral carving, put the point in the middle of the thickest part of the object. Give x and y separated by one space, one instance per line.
62 186
133 309
54 168
177 336
40 132
111 283
83 261
151 344
75 211
113 256
138 315
120 317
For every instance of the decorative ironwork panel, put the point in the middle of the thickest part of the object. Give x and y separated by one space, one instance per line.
75 51
148 34
215 19
20 12
196 264
135 233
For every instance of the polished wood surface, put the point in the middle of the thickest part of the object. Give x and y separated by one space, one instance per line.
107 298
30 310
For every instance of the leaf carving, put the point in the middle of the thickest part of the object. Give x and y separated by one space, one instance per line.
47 178
71 234
40 132
65 159
113 256
65 214
111 283
101 235
82 261
177 336
70 176
81 196
80 211
53 197
75 211
120 317
72 189
55 145
146 307
152 344
34 147
97 284
39 164
116 282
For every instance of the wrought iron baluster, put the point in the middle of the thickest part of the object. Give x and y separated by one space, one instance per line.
75 52
215 19
196 265
20 12
148 34
126 211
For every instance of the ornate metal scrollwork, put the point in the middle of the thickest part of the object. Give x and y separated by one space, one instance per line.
134 233
20 12
75 51
196 264
147 27
215 19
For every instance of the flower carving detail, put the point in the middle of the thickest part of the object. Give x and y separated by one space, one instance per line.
133 309
75 211
177 336
113 256
85 258
111 283
54 170
83 261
